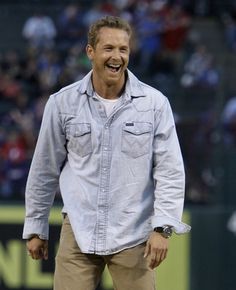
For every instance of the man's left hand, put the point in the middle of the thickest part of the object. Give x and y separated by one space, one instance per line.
156 249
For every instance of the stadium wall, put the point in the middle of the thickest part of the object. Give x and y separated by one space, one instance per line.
18 271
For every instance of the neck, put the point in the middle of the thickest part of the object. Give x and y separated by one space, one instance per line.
109 92
106 90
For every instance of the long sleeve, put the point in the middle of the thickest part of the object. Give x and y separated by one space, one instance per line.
168 173
42 184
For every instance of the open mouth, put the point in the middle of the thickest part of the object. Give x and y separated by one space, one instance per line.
113 67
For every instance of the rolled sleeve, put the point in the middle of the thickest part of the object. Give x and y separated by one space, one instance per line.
178 226
168 173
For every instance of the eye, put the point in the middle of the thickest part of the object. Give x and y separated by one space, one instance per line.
108 48
124 49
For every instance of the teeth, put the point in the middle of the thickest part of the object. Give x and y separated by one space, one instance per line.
114 65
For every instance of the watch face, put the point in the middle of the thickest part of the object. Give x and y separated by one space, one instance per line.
167 231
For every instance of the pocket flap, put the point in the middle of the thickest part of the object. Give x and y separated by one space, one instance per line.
80 129
137 128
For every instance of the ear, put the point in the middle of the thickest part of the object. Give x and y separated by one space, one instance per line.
89 51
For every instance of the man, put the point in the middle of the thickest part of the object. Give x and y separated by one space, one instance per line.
110 142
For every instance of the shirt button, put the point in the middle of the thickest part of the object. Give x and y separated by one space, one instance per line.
104 169
106 126
105 148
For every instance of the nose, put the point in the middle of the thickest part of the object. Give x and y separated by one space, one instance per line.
116 54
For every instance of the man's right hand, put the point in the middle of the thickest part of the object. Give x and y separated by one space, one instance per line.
37 248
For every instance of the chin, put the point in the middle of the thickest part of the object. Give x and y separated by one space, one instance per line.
114 79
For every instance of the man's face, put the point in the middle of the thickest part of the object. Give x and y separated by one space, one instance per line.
110 57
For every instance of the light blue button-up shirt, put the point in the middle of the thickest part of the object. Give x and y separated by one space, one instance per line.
119 176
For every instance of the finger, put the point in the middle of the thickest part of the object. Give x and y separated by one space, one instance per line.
37 254
34 255
153 258
164 254
41 253
29 253
45 253
160 256
147 250
153 261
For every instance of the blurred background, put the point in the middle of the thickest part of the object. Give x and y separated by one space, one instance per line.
184 48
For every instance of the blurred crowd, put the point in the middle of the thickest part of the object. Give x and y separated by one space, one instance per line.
166 53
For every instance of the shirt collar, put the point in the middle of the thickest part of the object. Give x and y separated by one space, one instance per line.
133 88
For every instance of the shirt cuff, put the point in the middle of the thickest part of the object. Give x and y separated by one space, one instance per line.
39 227
178 226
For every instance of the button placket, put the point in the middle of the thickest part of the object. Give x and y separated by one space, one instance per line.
102 216
104 189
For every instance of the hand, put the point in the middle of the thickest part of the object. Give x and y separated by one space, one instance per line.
156 249
37 248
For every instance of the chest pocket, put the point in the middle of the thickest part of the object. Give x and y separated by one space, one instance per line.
136 138
80 140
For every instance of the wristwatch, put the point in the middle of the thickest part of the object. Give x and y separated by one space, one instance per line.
165 231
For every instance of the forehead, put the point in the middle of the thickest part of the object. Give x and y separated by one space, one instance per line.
114 35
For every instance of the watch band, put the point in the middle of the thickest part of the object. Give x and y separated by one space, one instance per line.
158 229
165 231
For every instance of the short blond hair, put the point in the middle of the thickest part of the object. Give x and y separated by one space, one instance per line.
107 21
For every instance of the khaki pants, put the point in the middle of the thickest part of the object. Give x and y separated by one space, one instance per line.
78 271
